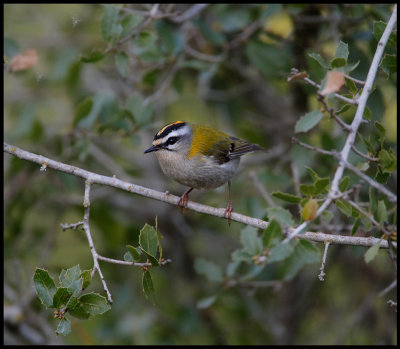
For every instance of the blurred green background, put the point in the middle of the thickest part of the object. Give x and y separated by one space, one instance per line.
95 102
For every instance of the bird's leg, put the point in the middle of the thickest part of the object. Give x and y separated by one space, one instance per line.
183 201
229 209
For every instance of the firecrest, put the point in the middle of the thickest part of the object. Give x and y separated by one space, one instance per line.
199 157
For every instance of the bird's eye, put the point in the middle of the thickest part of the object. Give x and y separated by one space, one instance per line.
171 140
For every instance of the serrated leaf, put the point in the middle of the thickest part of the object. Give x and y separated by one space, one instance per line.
381 212
209 269
64 327
309 210
148 288
355 226
45 287
134 252
371 253
282 216
148 240
344 206
71 278
381 131
308 121
344 183
108 20
94 304
272 232
319 59
61 297
314 175
280 252
287 197
351 66
250 240
379 28
76 309
342 50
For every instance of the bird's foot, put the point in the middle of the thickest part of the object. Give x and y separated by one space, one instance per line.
228 212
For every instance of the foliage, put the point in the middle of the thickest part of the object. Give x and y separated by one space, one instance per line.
88 85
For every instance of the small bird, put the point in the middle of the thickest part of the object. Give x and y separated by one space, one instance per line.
199 157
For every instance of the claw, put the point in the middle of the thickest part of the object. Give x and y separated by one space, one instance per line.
229 209
183 201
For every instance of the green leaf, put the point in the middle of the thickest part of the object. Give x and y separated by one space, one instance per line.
381 131
344 206
211 35
307 189
314 175
380 176
320 185
148 287
122 63
153 260
128 257
355 226
372 199
371 253
129 22
351 66
94 56
205 303
209 269
141 112
280 252
109 18
389 64
387 160
83 110
71 279
287 197
338 63
76 309
362 166
327 216
148 240
282 216
86 276
134 252
250 240
94 304
382 212
319 59
342 51
367 113
64 327
61 297
307 252
379 28
271 233
241 256
308 121
159 237
344 183
352 87
170 37
45 287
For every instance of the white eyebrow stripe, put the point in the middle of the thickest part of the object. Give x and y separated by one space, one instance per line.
175 133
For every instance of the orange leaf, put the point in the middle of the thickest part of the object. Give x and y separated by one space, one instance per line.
334 82
24 61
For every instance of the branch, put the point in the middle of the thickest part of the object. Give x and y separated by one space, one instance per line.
362 101
94 178
190 13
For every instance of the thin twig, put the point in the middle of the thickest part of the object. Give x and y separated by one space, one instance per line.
172 199
333 114
190 13
322 273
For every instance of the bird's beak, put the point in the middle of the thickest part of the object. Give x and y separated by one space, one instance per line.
153 148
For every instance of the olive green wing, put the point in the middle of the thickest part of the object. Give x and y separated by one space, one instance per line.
239 147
